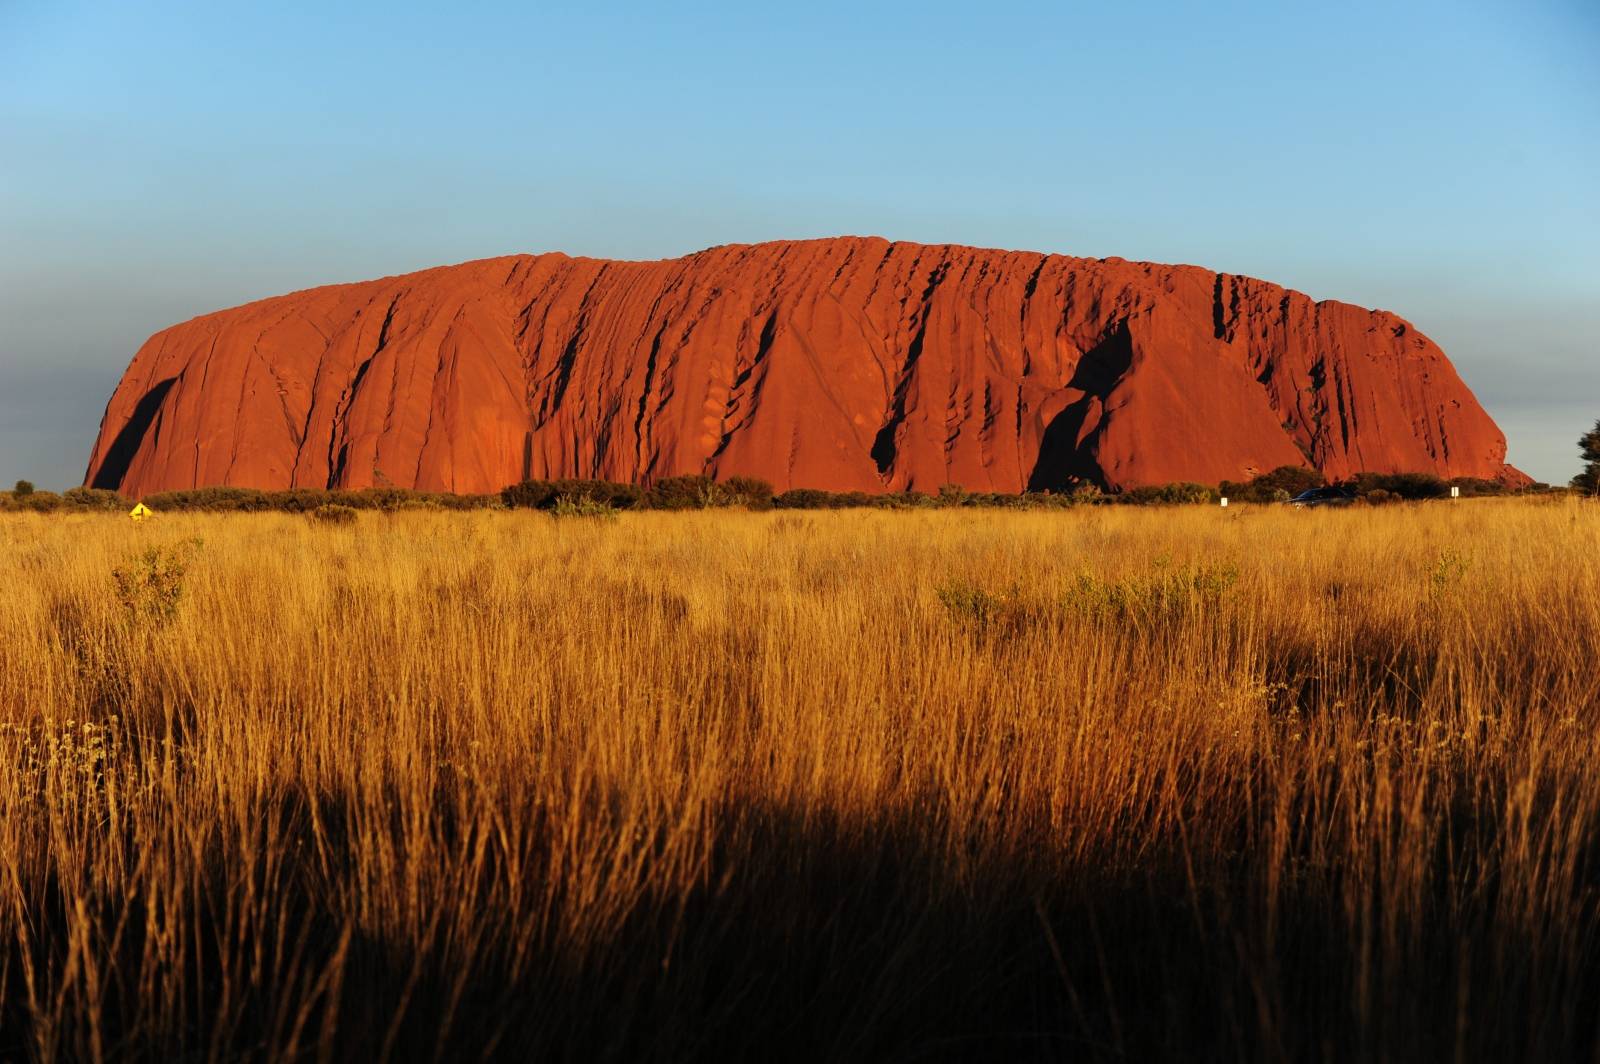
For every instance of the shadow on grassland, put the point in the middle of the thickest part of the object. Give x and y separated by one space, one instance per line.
808 938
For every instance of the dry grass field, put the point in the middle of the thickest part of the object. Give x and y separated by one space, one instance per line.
1097 784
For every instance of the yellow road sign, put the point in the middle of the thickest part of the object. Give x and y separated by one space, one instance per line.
140 511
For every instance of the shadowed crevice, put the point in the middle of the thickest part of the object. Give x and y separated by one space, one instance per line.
119 456
569 355
769 333
1064 458
885 445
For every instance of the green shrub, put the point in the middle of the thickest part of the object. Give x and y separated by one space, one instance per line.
1449 568
1163 593
218 499
23 489
816 499
300 500
582 506
749 492
95 499
1290 479
308 500
528 495
387 500
1086 494
804 499
40 502
334 514
1182 494
811 499
968 603
999 500
695 492
149 586
992 613
691 492
1049 500
1405 485
451 501
542 494
1280 485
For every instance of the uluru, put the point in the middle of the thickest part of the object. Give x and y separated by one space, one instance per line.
844 364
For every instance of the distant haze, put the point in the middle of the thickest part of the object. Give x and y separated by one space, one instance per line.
161 160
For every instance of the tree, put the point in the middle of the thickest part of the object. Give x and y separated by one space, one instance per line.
1280 485
23 489
1290 479
1588 481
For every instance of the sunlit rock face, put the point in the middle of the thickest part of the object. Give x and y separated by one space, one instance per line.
846 364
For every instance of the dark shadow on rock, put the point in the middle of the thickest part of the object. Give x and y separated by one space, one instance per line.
1064 459
119 456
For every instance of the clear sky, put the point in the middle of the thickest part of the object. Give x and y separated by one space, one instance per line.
160 160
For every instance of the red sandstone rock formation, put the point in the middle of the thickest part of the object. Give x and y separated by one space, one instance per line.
840 364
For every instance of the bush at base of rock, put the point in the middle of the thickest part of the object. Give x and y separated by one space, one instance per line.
1405 485
1167 495
307 500
37 502
696 492
542 494
582 506
1281 484
95 499
693 492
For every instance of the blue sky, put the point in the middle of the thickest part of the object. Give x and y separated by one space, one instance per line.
160 160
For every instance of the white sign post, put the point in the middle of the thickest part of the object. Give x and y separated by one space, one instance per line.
1224 502
1455 491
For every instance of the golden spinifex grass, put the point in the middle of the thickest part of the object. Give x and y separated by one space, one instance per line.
1104 783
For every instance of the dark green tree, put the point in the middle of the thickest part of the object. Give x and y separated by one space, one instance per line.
23 489
1588 481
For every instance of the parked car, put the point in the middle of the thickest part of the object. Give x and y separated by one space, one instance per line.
1330 496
